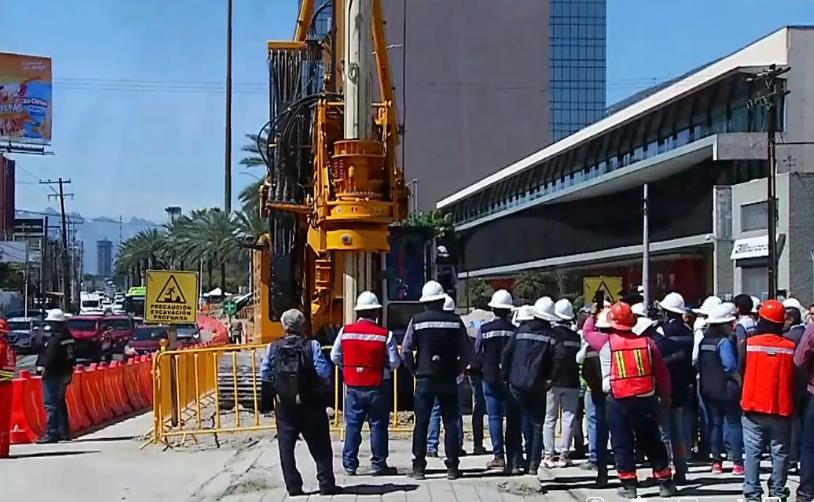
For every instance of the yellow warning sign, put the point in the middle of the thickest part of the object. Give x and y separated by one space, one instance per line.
610 285
171 297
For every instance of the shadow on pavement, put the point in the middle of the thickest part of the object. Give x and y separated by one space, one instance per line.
574 482
104 439
57 453
378 489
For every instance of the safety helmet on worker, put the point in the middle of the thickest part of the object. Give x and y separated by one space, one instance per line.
564 309
449 304
367 300
501 299
432 292
621 317
524 313
55 315
639 310
794 303
722 314
673 302
773 311
707 305
544 309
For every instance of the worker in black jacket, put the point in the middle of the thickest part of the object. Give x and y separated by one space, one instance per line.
564 392
675 342
527 365
489 345
57 362
442 352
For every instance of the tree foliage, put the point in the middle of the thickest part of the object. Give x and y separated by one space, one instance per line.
440 222
478 293
533 284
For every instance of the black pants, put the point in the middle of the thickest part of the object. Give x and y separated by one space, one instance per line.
531 404
634 423
426 392
478 408
312 423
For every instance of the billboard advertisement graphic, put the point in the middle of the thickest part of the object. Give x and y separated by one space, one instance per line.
25 99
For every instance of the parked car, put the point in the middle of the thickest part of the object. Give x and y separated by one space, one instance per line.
27 335
94 341
146 340
120 329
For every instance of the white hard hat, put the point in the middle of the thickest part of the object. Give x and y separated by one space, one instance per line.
367 300
642 323
55 315
674 303
563 309
602 319
721 314
526 313
755 304
638 309
544 309
706 307
432 292
793 303
501 299
449 304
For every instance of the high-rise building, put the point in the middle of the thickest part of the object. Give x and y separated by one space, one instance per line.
104 256
482 83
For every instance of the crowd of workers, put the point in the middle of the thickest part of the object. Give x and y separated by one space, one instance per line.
726 380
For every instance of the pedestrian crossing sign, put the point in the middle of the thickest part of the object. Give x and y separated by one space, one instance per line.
171 297
610 285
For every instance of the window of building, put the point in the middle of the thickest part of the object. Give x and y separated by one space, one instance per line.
754 216
754 280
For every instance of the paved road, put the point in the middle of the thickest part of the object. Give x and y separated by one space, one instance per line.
109 466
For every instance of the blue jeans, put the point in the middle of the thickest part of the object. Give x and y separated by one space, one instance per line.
495 395
434 431
758 431
805 492
54 388
673 428
597 429
366 404
724 419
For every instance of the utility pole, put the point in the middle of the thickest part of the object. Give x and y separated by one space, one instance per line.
227 194
66 263
646 248
770 102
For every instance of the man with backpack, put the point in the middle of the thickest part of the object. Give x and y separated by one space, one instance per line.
367 353
297 370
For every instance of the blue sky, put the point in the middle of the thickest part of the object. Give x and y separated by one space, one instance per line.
139 104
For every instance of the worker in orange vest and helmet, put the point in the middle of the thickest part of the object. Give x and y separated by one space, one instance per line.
635 376
767 400
8 364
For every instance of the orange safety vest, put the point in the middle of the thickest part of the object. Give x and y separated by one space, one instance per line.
8 361
631 366
768 384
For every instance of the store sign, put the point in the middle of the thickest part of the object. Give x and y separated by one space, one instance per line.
753 247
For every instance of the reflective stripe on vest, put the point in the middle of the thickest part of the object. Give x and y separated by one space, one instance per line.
6 375
769 380
436 325
631 367
569 343
497 334
364 337
535 337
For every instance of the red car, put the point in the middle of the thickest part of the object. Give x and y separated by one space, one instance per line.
147 338
99 336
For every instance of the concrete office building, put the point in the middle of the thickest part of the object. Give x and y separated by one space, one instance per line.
486 82
104 256
575 207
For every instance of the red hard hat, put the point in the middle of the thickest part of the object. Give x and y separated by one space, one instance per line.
4 327
621 317
773 311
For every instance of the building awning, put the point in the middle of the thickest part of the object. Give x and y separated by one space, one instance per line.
752 247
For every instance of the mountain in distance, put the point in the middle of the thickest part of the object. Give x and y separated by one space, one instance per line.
89 230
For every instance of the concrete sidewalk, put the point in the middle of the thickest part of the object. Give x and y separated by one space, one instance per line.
109 466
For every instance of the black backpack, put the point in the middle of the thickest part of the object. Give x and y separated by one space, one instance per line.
292 371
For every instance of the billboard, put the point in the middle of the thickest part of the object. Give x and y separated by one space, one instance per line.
25 99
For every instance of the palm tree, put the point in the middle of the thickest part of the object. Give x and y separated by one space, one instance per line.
147 249
253 148
250 197
209 236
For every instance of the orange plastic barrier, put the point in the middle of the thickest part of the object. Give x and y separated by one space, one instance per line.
91 399
77 414
132 385
146 375
117 372
25 425
96 378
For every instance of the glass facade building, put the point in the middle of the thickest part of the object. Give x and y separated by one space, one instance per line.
577 64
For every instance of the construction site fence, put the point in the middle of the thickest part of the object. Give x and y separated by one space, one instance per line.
218 390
